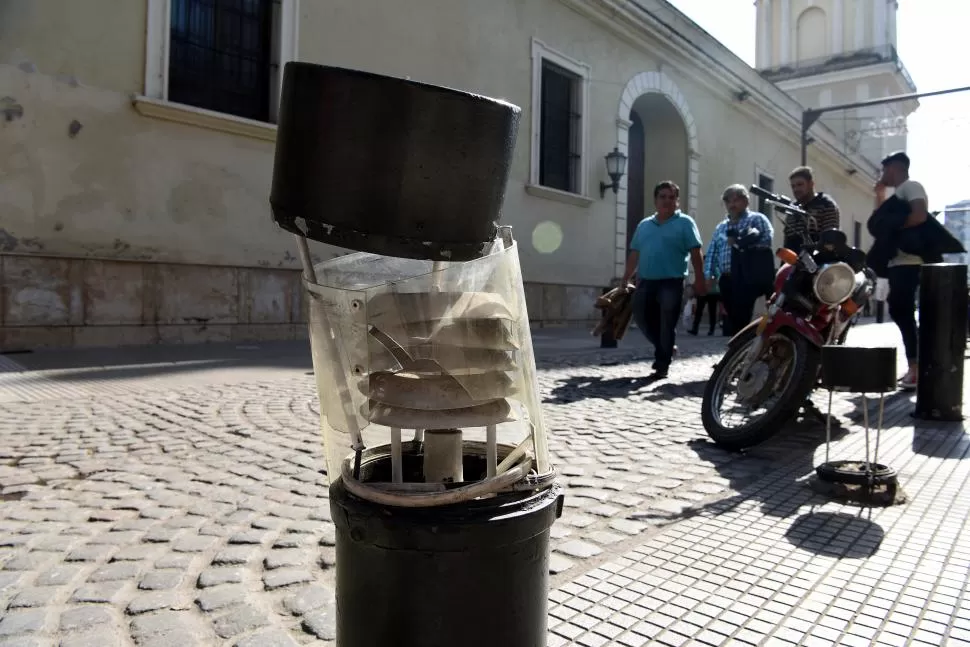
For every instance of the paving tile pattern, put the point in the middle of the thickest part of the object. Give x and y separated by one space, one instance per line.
780 565
199 515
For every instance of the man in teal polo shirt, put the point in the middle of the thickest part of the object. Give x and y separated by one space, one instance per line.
659 251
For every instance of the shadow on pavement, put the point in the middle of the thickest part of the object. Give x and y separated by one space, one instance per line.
893 404
836 534
938 439
578 388
125 364
941 439
670 390
134 361
584 387
571 345
794 447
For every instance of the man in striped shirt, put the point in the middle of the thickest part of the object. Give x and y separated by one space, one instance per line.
823 212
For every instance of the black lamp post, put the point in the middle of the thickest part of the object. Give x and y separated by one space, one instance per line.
615 167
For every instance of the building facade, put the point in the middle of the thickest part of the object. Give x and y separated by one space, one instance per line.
139 142
836 52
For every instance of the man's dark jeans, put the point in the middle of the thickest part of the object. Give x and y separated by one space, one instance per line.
903 284
656 309
739 304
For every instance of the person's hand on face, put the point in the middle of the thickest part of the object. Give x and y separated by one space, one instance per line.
885 180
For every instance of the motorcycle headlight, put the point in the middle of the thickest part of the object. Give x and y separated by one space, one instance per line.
834 283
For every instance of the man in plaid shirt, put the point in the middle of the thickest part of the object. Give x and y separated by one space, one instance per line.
823 212
738 302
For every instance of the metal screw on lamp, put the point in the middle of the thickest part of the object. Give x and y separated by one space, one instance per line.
615 168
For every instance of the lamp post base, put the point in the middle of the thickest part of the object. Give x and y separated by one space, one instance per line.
474 574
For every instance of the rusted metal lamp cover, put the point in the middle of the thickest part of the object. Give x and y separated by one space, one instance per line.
441 488
390 166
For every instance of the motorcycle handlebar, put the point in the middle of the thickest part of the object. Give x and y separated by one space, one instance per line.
768 195
781 202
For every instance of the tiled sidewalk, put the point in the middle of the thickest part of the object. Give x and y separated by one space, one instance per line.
781 565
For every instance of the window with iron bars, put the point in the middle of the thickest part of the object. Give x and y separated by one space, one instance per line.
223 55
560 129
768 184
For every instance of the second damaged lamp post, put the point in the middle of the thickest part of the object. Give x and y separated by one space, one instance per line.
441 487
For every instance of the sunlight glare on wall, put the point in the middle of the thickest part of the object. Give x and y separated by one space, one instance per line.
547 237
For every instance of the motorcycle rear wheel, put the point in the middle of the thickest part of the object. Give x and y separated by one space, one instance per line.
804 374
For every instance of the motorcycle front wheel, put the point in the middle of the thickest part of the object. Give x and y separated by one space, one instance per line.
768 394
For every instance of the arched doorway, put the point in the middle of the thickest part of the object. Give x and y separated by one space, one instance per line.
659 150
657 133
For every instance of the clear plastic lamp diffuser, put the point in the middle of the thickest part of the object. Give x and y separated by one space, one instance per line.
426 376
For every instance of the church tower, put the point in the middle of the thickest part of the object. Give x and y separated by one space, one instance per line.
832 52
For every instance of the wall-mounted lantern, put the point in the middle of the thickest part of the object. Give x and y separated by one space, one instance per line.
615 167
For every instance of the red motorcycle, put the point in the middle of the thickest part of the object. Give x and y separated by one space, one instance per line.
772 365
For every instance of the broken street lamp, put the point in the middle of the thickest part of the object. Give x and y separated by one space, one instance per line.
441 487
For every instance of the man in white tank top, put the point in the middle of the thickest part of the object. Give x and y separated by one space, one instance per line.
904 269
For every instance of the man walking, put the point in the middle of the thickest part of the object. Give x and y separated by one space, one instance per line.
658 257
740 228
823 212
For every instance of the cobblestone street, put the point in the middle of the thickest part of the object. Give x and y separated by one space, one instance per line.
160 507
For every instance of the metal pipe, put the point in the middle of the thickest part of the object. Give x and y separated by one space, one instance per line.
491 450
882 407
810 116
828 428
397 460
305 259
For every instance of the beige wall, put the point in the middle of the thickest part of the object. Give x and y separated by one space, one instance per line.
487 47
134 188
129 187
100 43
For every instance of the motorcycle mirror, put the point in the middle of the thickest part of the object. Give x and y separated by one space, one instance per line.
787 256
